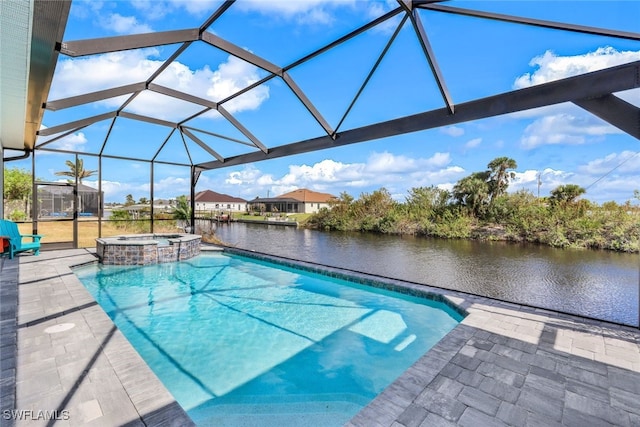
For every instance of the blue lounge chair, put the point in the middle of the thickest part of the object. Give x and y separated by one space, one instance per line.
9 230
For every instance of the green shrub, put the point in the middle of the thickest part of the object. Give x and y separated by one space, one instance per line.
17 215
518 216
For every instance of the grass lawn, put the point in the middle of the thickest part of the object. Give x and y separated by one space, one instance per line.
62 231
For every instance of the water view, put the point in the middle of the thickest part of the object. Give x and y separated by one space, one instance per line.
599 284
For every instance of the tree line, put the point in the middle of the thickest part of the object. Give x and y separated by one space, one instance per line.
479 207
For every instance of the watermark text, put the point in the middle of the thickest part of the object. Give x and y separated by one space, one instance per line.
34 415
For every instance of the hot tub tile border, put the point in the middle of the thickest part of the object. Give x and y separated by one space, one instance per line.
143 250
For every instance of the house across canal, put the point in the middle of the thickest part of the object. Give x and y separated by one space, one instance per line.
297 201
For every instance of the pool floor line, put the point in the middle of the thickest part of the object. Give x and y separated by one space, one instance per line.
504 364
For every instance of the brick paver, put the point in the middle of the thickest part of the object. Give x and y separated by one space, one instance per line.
558 370
505 364
86 375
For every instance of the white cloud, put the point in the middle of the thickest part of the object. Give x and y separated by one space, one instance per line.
397 173
335 177
376 9
159 106
115 191
390 163
617 186
71 142
300 11
473 143
230 77
265 180
442 178
526 177
626 162
452 131
86 9
76 76
181 185
150 10
197 7
325 171
248 175
125 24
552 67
158 9
565 128
549 179
93 73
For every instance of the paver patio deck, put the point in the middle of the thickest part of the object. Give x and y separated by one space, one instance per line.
88 375
505 364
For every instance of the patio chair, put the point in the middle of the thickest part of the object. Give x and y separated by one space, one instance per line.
9 231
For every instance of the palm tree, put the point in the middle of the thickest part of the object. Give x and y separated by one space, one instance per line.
182 210
566 194
499 177
76 170
472 191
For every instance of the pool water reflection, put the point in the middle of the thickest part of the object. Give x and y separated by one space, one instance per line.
235 339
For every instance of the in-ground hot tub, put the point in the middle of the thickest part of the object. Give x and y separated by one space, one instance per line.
144 249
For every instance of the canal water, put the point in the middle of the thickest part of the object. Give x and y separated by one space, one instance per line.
598 284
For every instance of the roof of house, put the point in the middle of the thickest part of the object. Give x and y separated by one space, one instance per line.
212 196
304 195
64 187
86 188
273 200
164 202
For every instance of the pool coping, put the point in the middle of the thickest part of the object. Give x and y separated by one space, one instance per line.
557 368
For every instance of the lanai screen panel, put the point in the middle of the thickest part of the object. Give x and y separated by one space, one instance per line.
179 78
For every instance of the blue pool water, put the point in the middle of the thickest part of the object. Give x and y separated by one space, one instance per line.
244 342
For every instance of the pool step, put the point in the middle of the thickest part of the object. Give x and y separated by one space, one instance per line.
262 413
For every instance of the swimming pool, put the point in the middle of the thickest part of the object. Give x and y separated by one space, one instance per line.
239 341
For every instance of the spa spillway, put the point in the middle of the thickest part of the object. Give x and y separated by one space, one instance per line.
144 249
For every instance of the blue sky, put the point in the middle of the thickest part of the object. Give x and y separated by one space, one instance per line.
477 57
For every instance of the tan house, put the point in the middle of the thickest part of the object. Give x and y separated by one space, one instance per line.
296 201
208 200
